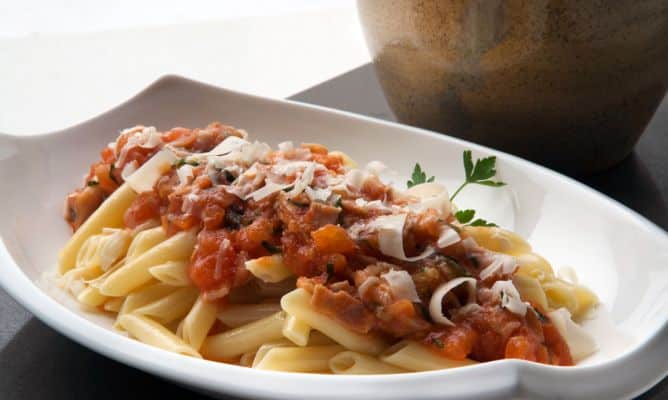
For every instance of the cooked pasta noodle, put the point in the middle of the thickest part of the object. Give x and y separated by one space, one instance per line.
269 268
136 271
108 215
296 330
151 332
235 315
412 356
196 325
299 359
246 338
297 303
353 363
173 273
167 309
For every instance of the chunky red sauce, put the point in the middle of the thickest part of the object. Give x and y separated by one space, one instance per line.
315 241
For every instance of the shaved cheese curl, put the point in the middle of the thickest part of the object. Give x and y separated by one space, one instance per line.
402 285
436 302
391 237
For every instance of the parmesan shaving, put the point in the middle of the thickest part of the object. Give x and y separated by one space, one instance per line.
431 195
285 146
355 179
448 237
580 342
304 180
501 264
267 190
185 174
436 301
229 144
320 195
402 285
129 169
150 138
391 237
148 174
376 167
510 297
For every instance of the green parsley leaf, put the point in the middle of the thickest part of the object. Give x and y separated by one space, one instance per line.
92 183
182 161
464 216
271 248
330 268
418 176
437 342
482 222
479 173
468 163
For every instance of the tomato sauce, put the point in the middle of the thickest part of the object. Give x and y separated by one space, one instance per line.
316 244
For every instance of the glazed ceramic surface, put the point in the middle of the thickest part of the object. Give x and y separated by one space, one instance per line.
568 83
617 253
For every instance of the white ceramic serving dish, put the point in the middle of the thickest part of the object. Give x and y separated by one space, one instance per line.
616 252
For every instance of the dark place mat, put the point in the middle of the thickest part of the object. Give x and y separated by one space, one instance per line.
37 362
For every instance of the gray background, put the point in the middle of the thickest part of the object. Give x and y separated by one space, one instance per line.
36 362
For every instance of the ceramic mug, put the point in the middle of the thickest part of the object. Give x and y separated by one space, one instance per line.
567 83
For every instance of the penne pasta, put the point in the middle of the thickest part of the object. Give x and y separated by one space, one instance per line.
150 332
244 339
354 363
296 330
136 271
173 273
171 307
264 349
113 304
530 290
197 324
235 315
145 240
91 296
412 356
143 296
269 268
299 359
108 215
497 239
318 339
246 359
298 303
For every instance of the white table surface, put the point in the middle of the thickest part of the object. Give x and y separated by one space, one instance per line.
62 62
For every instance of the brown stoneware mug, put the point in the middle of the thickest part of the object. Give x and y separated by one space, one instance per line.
567 83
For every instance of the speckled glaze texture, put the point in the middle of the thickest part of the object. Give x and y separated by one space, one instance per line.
567 83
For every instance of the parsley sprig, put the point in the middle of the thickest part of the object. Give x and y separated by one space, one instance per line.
479 173
418 176
466 216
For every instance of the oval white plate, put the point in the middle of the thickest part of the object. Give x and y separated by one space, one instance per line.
617 253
